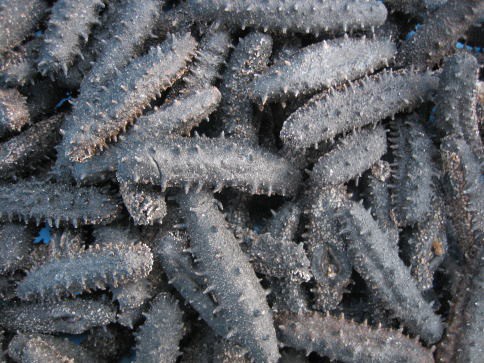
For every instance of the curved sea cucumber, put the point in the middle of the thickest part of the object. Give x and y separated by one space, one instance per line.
292 16
158 339
68 316
98 267
91 126
321 65
377 261
351 157
348 341
439 32
17 19
14 113
30 147
15 247
230 277
364 102
220 162
52 202
144 205
70 20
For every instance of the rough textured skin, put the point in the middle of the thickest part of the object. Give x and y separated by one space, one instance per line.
225 351
70 20
124 38
229 277
14 113
30 147
15 247
94 122
366 102
292 16
146 206
439 32
347 341
159 337
377 261
464 191
279 258
98 169
70 316
98 267
51 202
351 157
18 67
133 294
248 60
413 189
284 222
37 348
288 296
414 7
456 99
330 264
320 66
216 163
17 19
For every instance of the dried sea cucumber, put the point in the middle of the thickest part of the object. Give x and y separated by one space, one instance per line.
15 247
35 348
321 65
348 341
146 206
17 19
14 113
376 260
158 339
70 20
18 67
53 202
215 163
285 221
365 102
229 276
418 8
98 267
68 316
351 157
439 32
133 24
456 99
292 16
288 296
91 126
249 58
413 188
30 147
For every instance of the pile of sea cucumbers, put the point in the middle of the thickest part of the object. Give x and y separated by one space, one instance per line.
241 181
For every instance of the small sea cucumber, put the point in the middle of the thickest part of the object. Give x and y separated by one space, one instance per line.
14 113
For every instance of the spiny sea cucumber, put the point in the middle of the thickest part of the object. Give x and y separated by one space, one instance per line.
14 113
146 206
15 247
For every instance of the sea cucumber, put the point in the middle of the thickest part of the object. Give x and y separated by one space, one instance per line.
15 247
14 113
146 206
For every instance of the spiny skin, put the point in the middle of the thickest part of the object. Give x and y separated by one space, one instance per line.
159 337
145 206
53 202
366 102
15 247
70 20
17 19
225 351
230 277
284 223
292 16
124 38
36 348
98 267
439 33
413 188
98 169
456 99
320 66
330 264
279 258
30 147
378 263
248 60
288 296
69 316
351 157
347 341
211 162
14 113
464 191
91 126
133 294
18 67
